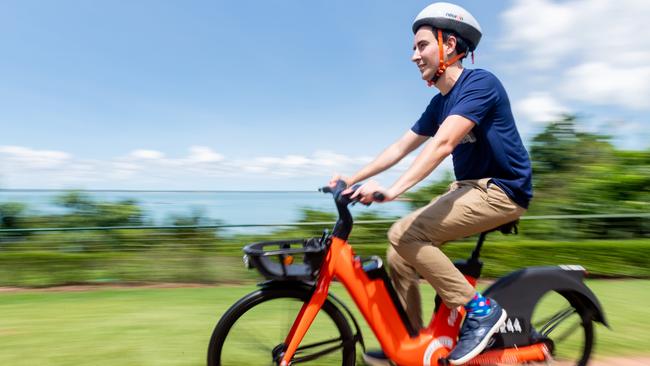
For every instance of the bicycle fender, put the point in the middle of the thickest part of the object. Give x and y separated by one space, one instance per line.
519 292
301 285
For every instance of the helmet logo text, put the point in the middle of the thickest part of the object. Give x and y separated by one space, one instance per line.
455 16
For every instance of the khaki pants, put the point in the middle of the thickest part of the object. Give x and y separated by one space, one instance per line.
468 208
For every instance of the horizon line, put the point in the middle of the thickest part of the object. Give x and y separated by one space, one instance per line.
153 190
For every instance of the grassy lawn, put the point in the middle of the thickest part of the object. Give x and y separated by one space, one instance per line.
173 326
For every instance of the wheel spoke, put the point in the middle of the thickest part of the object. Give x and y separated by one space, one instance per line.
556 320
283 332
318 344
318 354
550 319
570 330
256 341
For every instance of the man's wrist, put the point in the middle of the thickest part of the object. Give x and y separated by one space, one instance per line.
391 194
351 180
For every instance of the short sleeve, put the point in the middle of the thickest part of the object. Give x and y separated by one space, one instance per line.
478 97
427 125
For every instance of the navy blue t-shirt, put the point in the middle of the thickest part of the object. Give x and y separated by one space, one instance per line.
493 149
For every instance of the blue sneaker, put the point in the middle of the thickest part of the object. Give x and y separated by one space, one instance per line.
376 358
476 333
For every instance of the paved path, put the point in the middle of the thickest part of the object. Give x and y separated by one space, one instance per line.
619 361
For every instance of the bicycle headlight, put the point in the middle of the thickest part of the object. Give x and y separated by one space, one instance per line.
247 262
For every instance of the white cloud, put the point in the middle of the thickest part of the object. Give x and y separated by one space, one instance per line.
596 83
27 168
146 154
28 158
203 168
596 52
539 28
538 107
296 160
324 158
319 163
203 154
122 170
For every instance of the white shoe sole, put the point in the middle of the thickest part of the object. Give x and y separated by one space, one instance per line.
481 346
371 361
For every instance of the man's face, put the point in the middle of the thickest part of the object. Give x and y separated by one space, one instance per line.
425 52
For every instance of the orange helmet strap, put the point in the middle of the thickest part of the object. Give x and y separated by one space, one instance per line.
442 65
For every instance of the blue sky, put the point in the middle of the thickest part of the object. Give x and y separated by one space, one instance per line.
281 94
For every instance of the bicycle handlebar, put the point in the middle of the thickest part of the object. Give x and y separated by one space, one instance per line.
341 186
379 197
343 225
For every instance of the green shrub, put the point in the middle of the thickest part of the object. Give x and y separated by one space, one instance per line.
601 258
604 258
40 269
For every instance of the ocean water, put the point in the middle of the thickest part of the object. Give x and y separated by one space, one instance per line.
232 208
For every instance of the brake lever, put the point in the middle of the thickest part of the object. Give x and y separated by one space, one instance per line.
356 200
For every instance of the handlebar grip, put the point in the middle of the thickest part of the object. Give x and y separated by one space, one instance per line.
379 197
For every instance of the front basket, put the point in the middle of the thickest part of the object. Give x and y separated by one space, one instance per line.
287 260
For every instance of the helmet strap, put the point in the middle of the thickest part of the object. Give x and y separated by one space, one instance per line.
442 65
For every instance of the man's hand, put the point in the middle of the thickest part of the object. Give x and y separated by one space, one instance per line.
336 177
365 192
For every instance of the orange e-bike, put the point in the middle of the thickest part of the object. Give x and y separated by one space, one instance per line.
293 318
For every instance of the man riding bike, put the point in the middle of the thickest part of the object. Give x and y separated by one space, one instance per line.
471 119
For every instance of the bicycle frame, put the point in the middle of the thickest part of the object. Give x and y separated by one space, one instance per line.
429 347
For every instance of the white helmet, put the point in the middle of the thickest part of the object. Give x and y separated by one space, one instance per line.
450 17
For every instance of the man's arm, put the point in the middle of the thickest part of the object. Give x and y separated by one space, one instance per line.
389 157
451 132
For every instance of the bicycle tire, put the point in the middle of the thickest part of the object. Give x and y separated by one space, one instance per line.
579 326
216 351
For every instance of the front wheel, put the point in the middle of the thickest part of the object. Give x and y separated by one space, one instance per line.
253 330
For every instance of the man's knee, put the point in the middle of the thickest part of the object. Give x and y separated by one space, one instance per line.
398 266
396 234
392 257
403 234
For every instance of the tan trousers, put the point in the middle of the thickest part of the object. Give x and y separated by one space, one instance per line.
468 208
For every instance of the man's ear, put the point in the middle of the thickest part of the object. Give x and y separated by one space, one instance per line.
451 44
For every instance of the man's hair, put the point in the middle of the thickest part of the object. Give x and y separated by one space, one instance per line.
461 44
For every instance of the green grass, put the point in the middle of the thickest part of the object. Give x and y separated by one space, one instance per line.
172 326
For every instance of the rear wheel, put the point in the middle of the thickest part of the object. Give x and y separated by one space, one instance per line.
252 332
567 325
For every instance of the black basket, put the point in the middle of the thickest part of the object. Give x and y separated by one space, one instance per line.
287 260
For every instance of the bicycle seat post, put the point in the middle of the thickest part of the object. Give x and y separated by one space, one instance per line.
476 253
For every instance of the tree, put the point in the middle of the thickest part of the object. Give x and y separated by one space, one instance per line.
84 211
